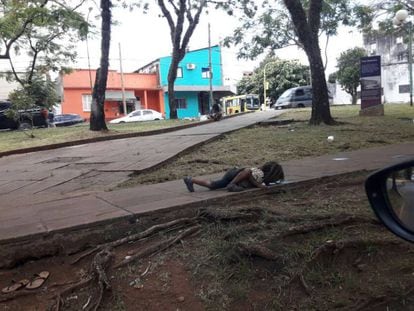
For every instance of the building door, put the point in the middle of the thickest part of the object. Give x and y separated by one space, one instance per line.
203 103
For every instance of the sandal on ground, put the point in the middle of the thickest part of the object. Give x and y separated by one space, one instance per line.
38 280
189 183
15 286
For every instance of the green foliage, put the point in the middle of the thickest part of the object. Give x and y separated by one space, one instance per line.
44 31
348 70
273 29
332 77
41 92
380 13
280 74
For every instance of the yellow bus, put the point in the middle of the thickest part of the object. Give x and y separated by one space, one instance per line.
240 103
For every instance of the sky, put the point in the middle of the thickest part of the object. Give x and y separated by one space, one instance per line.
145 37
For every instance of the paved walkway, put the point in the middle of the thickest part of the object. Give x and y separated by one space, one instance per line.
84 169
31 204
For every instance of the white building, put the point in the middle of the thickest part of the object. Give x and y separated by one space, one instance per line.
6 87
394 64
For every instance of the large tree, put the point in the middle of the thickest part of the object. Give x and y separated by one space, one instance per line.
43 35
97 120
182 16
16 17
296 22
46 37
348 71
280 75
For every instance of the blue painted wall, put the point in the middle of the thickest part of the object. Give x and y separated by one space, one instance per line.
192 105
194 76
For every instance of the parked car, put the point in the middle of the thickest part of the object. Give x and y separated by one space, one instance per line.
297 97
139 115
67 119
25 118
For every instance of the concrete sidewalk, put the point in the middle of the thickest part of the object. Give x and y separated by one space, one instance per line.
90 168
84 210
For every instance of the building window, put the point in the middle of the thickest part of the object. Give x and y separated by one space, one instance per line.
180 103
205 73
179 72
404 88
86 102
401 56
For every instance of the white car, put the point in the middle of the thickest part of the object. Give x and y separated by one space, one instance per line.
139 115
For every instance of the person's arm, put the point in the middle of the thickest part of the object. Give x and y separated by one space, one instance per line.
246 174
255 183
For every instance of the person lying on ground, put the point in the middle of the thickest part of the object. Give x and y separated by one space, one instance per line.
238 179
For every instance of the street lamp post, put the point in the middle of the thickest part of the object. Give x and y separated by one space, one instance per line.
265 83
399 20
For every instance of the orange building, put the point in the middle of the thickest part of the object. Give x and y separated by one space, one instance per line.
140 91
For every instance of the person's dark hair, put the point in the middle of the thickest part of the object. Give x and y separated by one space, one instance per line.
273 172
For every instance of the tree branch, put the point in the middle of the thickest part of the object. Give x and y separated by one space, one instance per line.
168 16
6 54
193 25
174 6
15 73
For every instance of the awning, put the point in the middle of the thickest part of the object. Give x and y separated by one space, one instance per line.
117 95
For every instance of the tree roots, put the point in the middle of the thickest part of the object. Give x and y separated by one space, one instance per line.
138 236
100 265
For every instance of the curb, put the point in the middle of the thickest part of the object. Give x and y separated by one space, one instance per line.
52 241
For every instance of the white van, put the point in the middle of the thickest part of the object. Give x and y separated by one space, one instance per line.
297 97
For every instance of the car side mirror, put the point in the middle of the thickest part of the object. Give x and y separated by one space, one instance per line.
390 192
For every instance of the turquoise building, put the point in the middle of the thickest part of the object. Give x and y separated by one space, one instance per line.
192 86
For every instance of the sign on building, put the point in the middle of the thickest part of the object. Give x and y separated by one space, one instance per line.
370 73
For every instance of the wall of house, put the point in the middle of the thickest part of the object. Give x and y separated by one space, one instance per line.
198 58
192 105
395 80
394 64
72 102
80 79
6 87
77 84
154 100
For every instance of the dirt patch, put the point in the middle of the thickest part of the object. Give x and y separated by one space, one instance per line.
315 246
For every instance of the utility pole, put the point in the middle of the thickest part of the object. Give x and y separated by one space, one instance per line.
410 59
122 81
211 101
87 53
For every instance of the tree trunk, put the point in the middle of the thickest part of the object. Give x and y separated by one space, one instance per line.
97 120
320 99
176 58
354 99
172 76
307 27
354 95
